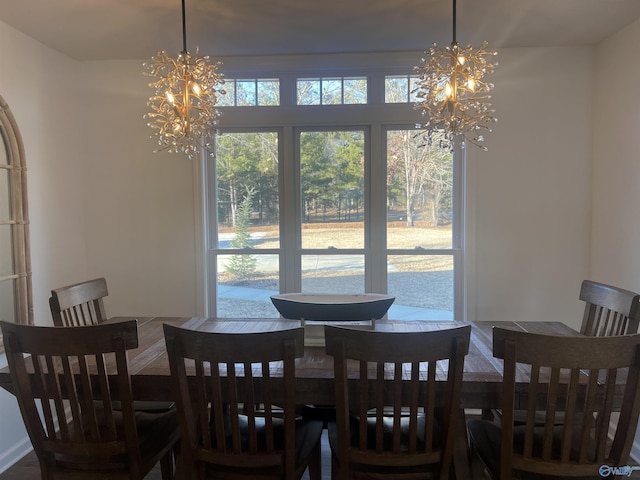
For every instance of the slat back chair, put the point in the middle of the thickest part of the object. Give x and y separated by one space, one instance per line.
394 417
79 304
609 310
235 396
578 376
75 374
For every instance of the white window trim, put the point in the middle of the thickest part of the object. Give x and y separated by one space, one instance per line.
288 114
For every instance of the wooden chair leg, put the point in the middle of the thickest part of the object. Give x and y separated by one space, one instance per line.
477 465
334 468
166 466
315 465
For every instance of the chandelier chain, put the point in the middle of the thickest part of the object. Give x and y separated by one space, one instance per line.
184 27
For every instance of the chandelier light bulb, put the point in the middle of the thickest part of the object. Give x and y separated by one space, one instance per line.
471 84
448 91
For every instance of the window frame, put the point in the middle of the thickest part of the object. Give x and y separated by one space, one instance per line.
19 216
378 117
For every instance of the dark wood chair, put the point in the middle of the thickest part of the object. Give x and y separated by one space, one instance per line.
235 395
79 304
82 304
79 373
609 310
392 419
572 375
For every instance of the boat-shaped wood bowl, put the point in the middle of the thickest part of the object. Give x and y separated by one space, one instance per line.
330 307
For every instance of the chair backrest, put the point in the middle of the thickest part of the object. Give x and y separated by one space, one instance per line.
79 304
70 366
609 310
235 381
398 382
584 378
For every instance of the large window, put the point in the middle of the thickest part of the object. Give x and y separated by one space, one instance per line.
15 266
357 203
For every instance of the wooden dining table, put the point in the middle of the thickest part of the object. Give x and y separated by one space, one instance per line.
482 387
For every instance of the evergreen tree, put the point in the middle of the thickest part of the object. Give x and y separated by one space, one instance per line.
242 266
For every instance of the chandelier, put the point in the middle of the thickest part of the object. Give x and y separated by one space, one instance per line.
453 94
183 112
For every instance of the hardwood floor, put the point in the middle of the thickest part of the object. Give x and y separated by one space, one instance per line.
28 468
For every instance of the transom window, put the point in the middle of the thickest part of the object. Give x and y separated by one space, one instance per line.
332 91
400 88
250 92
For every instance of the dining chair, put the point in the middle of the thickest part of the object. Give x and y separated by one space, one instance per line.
79 304
73 375
82 304
395 418
235 395
609 310
582 377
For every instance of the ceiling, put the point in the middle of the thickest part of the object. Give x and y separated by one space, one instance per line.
135 29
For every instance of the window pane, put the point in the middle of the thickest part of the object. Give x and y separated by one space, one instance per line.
6 251
268 92
5 192
355 90
396 89
308 91
229 97
332 178
415 83
422 285
7 301
247 194
246 93
331 91
245 285
334 274
419 192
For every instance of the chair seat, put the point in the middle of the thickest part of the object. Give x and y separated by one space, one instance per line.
151 427
308 433
486 437
387 427
150 406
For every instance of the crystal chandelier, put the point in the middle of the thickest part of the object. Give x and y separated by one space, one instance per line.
183 112
453 94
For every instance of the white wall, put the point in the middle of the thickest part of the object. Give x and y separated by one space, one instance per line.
38 84
530 191
140 204
616 166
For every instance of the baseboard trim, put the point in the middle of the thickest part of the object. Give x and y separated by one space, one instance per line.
13 455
